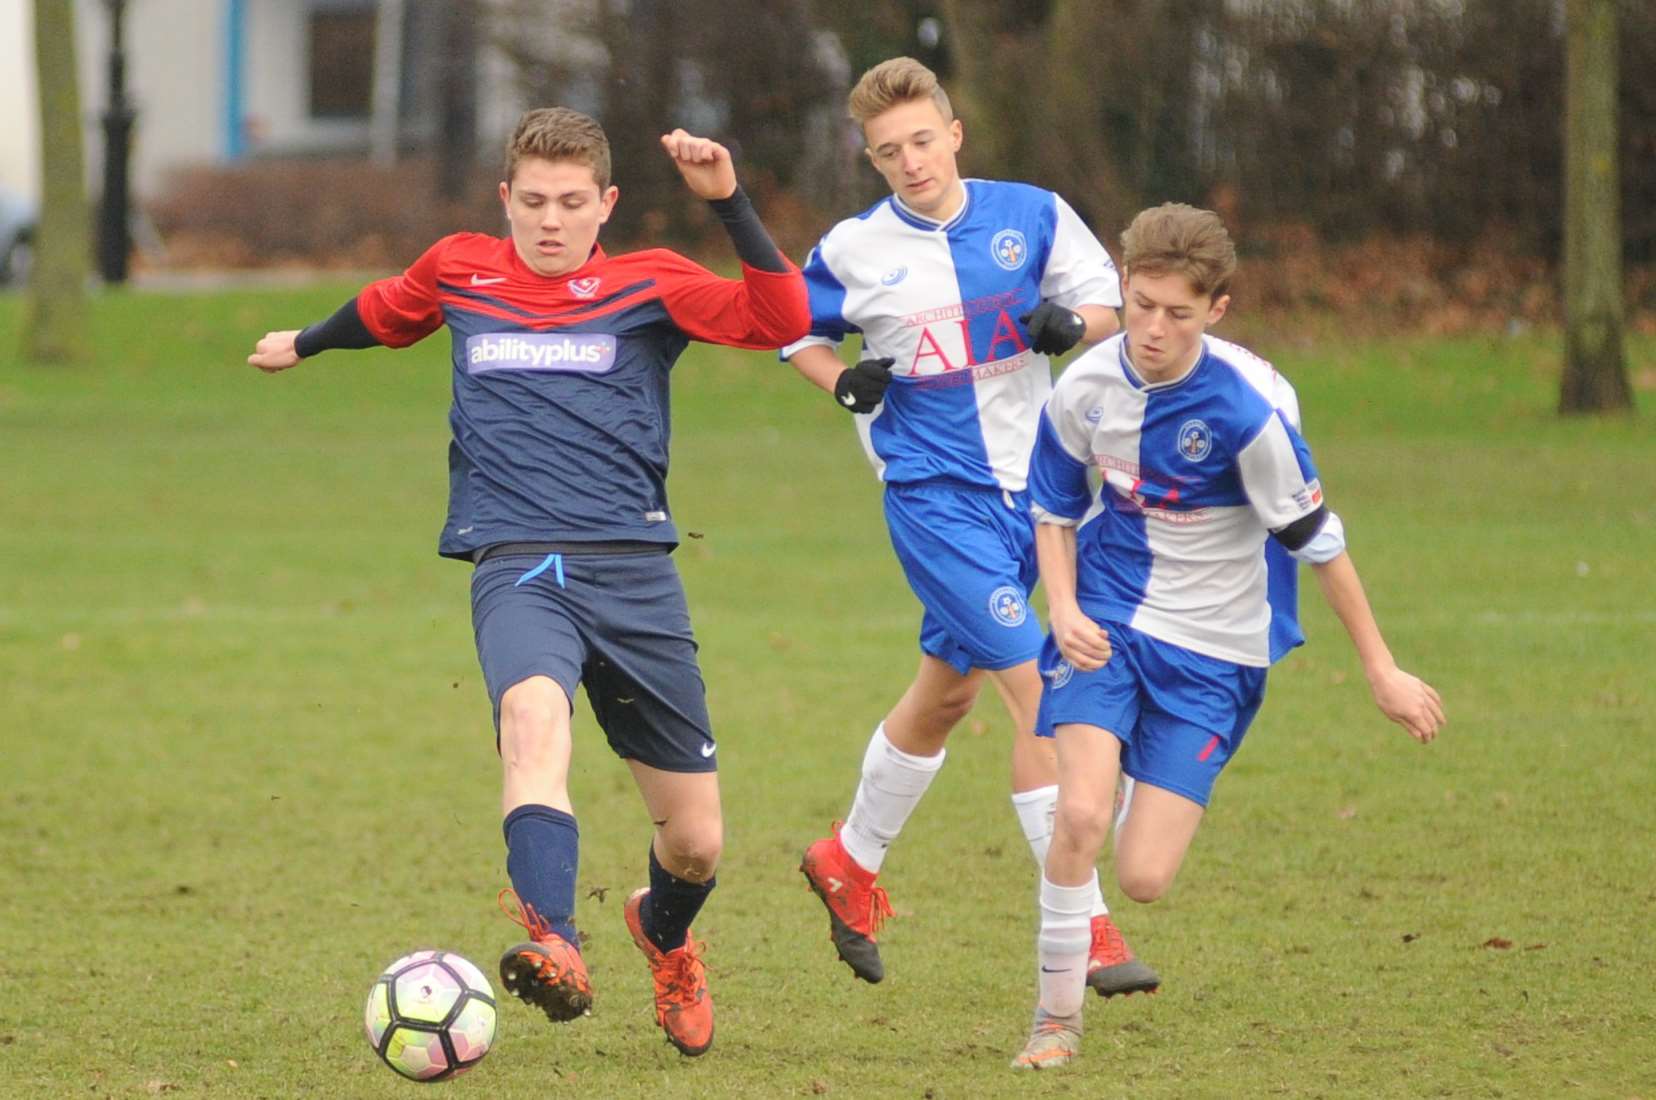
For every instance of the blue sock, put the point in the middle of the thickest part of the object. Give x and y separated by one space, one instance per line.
541 858
671 905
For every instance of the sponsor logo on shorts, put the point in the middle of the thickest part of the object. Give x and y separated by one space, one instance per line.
1059 674
1009 249
1006 604
583 352
1195 440
709 749
894 276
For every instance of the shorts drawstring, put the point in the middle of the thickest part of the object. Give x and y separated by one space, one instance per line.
553 562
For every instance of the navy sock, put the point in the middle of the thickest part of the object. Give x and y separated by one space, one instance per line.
541 857
671 905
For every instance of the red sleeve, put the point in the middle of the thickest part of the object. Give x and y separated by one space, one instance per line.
762 309
403 309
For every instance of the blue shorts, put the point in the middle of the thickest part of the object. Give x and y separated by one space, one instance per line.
969 555
1180 716
619 623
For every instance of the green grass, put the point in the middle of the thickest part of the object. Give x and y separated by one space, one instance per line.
247 758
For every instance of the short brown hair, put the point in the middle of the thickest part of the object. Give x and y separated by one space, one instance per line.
900 80
1176 239
557 133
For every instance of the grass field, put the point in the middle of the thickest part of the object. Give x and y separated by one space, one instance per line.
247 757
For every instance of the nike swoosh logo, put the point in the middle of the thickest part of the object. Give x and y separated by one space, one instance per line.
478 280
1061 970
709 749
848 401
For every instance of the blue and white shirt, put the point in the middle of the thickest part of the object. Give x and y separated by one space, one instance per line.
943 300
1196 474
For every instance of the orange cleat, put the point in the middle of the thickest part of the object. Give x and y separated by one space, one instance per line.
856 907
1053 1041
1112 968
546 971
683 1008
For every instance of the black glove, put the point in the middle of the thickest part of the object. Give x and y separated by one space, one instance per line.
1053 329
861 388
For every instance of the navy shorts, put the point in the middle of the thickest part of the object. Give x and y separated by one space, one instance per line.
616 622
1180 716
969 555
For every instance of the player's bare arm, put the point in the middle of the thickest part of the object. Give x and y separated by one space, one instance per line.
858 389
1084 643
275 351
705 164
819 364
1103 322
1406 699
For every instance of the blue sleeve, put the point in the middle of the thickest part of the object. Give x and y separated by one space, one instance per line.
1057 480
827 296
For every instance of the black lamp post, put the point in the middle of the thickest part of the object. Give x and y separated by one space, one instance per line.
114 234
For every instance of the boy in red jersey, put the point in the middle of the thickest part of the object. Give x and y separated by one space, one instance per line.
558 469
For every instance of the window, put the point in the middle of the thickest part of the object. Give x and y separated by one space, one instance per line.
341 61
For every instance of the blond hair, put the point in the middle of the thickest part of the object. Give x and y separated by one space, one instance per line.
1176 239
557 133
890 83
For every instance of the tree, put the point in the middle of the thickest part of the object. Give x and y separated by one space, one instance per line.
54 328
1595 366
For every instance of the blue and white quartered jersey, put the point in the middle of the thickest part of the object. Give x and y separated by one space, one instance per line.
1196 474
943 300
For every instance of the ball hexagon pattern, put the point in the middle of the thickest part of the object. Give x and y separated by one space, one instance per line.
430 1015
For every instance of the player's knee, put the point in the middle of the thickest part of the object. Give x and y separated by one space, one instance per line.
530 704
693 848
1143 884
529 727
954 704
1081 824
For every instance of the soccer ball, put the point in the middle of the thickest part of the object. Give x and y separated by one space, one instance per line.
431 1015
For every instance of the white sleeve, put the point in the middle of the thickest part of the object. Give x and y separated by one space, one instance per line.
1278 486
807 341
1078 271
1285 398
1072 396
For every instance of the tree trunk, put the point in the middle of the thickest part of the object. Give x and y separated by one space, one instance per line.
457 152
54 320
1595 369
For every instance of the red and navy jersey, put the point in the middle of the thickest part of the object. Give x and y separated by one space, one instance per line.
561 413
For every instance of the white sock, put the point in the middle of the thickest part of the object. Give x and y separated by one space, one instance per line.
1066 934
1035 810
892 783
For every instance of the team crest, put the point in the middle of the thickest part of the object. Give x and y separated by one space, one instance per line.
894 276
1009 249
1059 674
1195 440
584 288
1006 604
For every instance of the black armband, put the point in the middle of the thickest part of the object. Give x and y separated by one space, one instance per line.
1303 530
753 243
343 330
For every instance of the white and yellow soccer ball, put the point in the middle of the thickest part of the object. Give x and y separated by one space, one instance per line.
431 1015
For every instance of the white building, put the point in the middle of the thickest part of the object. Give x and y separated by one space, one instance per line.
217 81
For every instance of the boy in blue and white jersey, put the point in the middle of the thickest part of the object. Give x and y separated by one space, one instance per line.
961 290
1157 586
